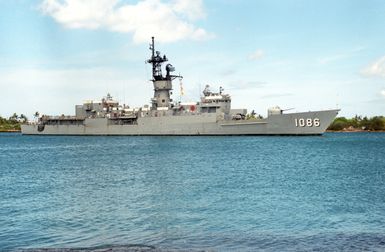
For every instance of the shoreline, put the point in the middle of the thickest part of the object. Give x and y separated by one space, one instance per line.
355 131
10 131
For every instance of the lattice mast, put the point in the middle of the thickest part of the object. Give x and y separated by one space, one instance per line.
162 84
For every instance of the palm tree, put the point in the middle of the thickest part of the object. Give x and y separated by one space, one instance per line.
36 115
14 117
23 118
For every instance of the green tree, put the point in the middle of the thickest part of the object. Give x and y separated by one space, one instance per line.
11 124
376 123
14 117
23 118
339 124
358 122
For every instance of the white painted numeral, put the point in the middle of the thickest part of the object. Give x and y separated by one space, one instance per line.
308 122
317 122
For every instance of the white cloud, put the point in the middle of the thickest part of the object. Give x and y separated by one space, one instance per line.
342 55
377 68
258 54
383 92
192 9
167 21
268 96
329 59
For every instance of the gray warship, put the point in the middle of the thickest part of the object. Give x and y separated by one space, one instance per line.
212 115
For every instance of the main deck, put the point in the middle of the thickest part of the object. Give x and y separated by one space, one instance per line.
306 123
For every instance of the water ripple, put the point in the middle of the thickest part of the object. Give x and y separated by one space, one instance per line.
193 193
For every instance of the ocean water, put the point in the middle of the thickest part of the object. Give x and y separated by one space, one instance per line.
322 193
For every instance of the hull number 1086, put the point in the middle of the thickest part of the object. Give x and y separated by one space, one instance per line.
307 122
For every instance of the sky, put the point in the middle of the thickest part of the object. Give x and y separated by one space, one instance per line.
299 54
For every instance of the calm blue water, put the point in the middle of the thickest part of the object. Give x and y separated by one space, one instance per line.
211 193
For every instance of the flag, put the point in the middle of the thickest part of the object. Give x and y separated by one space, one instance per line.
181 88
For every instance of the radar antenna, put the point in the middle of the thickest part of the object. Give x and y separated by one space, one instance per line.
156 60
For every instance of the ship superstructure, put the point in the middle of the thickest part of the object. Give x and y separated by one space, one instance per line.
212 115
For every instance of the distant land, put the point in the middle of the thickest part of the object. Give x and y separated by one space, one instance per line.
340 124
358 123
12 124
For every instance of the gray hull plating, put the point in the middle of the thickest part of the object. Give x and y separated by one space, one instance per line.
212 115
306 123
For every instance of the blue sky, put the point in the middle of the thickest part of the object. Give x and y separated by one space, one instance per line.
306 55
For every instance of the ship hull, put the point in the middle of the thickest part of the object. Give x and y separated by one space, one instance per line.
306 123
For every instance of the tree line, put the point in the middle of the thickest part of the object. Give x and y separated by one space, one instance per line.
375 123
12 123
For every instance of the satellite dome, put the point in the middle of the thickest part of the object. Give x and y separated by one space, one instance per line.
170 68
